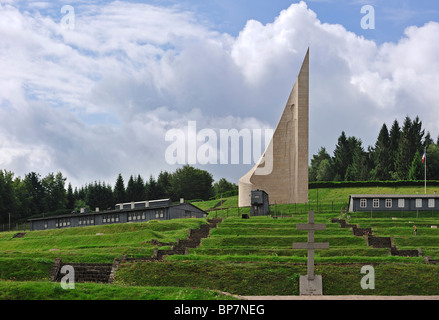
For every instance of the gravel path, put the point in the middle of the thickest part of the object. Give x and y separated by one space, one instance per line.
339 297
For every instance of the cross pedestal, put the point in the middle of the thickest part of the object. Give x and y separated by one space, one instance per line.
311 284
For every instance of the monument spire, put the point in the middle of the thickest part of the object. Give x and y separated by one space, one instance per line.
282 171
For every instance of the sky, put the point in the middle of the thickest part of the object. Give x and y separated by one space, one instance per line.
97 88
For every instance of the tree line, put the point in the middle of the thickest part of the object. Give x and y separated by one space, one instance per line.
396 155
34 196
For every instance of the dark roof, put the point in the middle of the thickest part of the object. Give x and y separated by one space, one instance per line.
115 211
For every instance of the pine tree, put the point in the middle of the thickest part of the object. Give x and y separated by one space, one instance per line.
394 137
119 190
164 185
405 154
427 140
433 162
152 190
341 157
381 155
129 193
416 171
357 170
70 198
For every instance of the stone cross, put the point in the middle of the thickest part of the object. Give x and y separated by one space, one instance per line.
312 285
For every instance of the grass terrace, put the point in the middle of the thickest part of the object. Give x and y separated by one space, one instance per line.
241 256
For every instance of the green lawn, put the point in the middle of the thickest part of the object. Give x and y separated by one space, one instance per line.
43 290
242 256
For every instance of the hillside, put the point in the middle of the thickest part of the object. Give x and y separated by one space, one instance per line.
241 256
325 200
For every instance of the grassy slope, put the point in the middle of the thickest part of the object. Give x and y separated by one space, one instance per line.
40 290
86 244
242 256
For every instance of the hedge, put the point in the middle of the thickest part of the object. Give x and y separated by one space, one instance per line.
390 183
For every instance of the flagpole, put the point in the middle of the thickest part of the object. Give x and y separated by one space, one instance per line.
425 170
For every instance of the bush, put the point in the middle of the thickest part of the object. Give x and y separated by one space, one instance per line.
391 183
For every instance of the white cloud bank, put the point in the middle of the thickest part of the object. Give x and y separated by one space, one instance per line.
97 100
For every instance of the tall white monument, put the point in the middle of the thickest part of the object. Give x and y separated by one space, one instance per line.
282 171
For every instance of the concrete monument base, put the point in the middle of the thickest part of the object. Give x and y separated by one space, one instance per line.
311 287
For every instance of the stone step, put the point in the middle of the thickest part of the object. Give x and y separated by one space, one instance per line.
87 272
358 232
379 242
405 253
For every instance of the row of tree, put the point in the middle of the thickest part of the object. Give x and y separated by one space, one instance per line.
22 198
396 155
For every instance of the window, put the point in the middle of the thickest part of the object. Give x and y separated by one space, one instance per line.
111 218
86 221
431 203
418 203
363 203
376 203
401 203
62 223
388 203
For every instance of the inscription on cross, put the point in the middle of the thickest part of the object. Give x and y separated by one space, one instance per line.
311 284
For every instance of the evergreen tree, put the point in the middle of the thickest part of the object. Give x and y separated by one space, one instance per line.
36 192
70 197
394 137
342 158
381 155
152 191
55 195
325 171
410 142
119 190
358 169
405 154
130 195
164 185
427 140
416 135
222 186
139 189
416 171
432 162
315 166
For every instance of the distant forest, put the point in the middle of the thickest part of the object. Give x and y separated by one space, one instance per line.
396 155
34 196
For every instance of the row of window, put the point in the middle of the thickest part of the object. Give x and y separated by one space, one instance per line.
61 223
84 221
401 203
110 218
141 215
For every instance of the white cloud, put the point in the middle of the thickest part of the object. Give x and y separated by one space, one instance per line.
98 100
